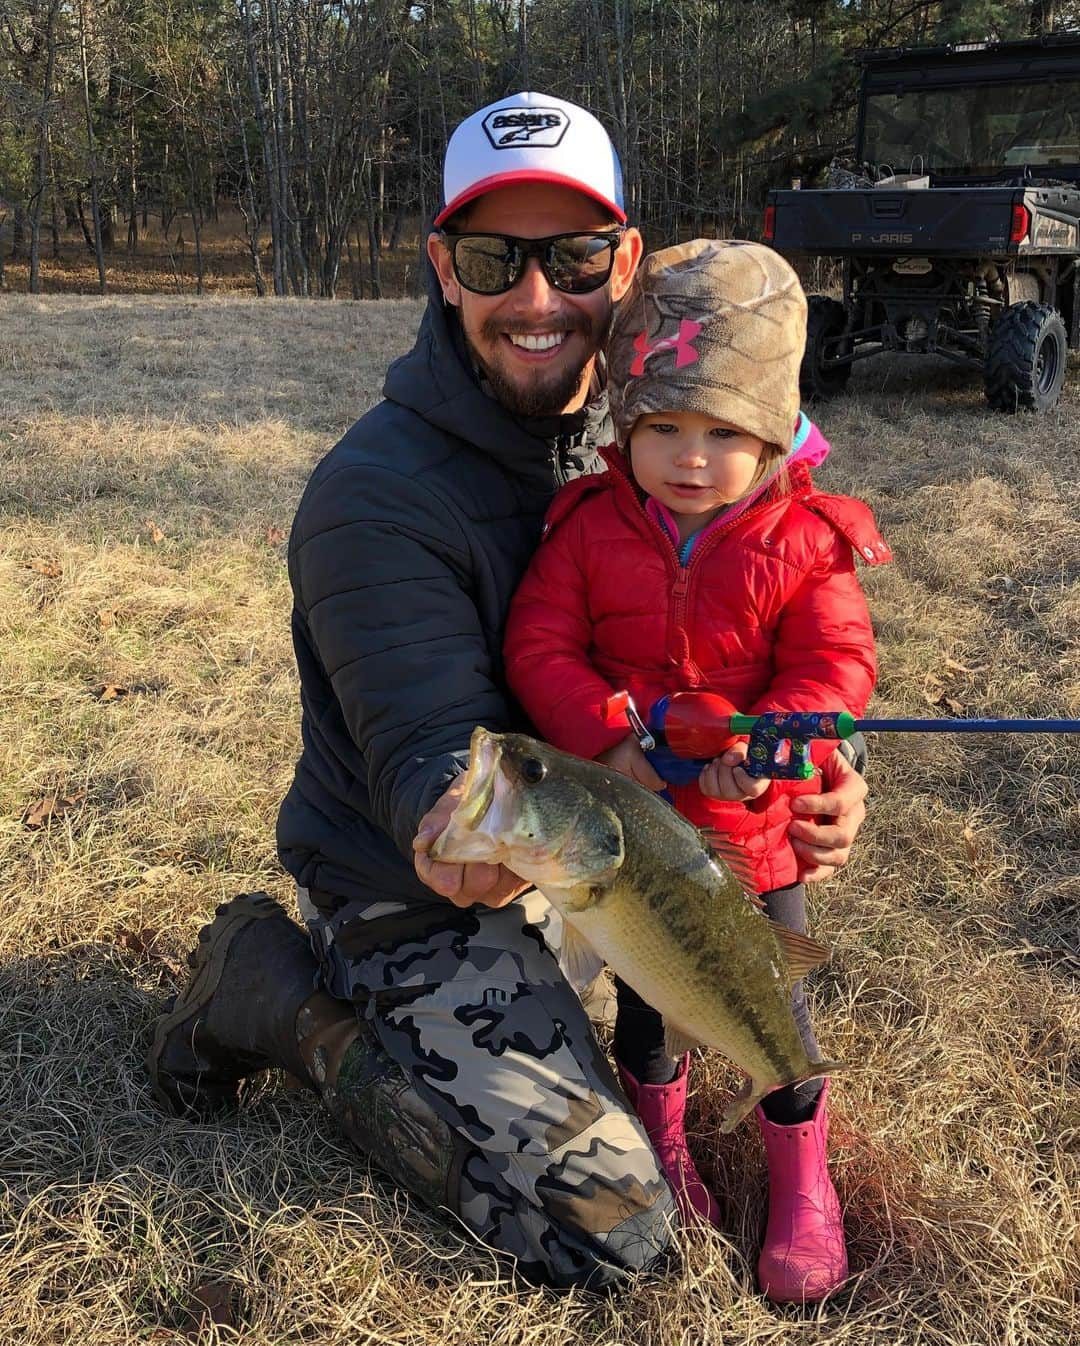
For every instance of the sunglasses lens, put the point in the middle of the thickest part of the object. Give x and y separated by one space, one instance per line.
573 263
580 263
486 265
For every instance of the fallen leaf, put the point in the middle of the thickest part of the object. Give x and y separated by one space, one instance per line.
107 618
49 569
156 535
934 694
953 667
143 944
156 874
49 808
110 691
210 1302
972 850
275 536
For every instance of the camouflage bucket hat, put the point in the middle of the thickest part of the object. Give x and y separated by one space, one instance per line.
714 326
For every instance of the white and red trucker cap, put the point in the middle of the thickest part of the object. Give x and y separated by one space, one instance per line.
531 137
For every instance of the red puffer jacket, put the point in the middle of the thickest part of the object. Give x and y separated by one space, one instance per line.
768 612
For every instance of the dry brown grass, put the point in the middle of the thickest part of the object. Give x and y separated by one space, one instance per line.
152 453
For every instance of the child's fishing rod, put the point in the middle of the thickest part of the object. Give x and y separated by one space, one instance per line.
697 726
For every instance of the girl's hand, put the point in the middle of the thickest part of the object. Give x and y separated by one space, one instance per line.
724 777
628 759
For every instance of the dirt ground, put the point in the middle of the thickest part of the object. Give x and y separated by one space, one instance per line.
152 451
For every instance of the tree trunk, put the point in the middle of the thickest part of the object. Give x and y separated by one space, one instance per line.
37 203
18 232
133 186
287 206
268 142
354 269
374 240
397 228
246 199
196 214
91 149
55 224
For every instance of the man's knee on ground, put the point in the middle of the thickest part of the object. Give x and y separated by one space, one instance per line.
616 1204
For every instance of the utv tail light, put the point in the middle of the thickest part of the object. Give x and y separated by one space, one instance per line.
768 228
1021 223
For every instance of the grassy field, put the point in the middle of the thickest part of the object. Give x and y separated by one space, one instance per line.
152 451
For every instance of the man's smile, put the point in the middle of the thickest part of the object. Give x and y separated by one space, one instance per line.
536 341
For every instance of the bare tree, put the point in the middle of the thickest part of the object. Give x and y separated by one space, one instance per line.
42 155
91 151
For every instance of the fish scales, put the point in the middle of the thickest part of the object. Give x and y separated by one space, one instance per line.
636 883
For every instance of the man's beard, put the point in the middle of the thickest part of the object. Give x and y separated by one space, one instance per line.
541 396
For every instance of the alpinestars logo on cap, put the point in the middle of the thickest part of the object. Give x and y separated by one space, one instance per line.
509 128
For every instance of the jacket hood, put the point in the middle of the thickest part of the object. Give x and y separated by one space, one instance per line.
436 379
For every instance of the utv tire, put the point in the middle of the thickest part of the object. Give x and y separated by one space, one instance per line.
825 320
1025 364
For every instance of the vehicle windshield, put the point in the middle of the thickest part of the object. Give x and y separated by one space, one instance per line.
975 131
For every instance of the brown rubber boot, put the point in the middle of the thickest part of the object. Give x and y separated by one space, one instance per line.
251 971
251 1005
375 1105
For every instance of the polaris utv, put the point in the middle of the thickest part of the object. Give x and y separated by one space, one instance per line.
959 230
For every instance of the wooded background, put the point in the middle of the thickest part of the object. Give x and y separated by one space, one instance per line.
320 124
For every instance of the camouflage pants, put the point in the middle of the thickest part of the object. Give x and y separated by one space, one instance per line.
553 1167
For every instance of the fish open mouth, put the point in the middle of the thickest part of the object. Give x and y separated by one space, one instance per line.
463 838
485 750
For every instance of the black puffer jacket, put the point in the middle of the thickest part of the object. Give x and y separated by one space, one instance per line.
409 541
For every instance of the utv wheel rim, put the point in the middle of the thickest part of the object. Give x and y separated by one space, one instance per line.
1046 366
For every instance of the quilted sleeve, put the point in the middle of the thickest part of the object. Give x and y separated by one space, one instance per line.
548 637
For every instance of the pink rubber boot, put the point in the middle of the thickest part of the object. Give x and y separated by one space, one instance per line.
804 1257
661 1108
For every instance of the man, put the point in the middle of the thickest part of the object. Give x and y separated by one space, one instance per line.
444 1038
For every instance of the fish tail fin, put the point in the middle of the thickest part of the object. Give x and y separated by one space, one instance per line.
742 1105
751 1094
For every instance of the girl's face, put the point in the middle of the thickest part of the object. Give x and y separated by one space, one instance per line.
692 463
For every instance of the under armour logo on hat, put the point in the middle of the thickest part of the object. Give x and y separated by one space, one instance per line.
682 343
531 137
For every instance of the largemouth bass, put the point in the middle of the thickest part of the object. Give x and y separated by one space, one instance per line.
639 888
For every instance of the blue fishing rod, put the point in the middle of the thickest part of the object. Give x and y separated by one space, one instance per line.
695 727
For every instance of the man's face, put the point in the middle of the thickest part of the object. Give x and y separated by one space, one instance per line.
535 344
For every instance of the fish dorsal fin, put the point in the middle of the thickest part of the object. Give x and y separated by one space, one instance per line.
580 962
801 953
677 1042
736 859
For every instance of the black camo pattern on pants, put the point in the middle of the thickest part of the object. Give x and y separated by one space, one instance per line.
473 1006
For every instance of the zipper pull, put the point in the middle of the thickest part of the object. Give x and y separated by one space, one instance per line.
564 446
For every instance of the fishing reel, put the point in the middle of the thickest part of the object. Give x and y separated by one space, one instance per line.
686 730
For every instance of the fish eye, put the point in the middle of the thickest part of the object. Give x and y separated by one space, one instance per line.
612 843
533 771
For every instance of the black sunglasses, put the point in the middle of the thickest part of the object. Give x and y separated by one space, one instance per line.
494 263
